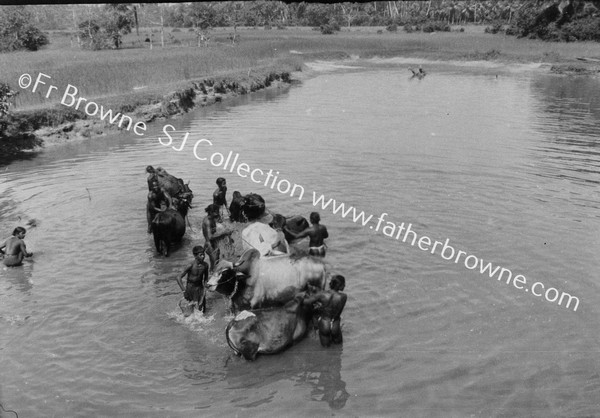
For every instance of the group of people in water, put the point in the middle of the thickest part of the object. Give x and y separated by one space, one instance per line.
328 304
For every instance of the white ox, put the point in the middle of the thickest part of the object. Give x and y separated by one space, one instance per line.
266 280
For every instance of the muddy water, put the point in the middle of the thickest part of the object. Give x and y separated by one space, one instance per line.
501 161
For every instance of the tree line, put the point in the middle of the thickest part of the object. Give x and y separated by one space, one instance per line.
99 26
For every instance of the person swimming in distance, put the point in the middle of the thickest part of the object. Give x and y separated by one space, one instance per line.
317 234
14 248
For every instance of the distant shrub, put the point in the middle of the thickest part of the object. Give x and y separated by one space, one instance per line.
334 25
413 23
484 56
435 26
281 26
549 25
175 30
268 27
585 29
6 97
16 31
495 28
327 29
392 28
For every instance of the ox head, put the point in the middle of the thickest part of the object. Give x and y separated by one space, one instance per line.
242 335
183 202
244 263
224 278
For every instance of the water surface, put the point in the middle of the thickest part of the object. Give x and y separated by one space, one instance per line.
502 161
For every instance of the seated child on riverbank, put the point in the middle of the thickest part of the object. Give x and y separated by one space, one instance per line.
197 275
329 306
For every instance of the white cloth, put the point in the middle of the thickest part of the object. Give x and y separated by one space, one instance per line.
259 236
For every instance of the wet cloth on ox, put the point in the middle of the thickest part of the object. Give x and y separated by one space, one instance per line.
317 251
259 236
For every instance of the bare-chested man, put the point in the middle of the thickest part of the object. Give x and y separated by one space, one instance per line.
317 234
211 232
197 275
14 248
220 195
158 201
330 306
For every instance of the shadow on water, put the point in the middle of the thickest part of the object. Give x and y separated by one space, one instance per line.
307 364
21 277
8 158
15 149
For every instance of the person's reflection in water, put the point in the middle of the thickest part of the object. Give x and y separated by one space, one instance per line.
21 278
330 387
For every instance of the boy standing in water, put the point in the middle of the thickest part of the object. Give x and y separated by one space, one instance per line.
317 234
14 248
197 275
209 230
158 201
219 196
331 304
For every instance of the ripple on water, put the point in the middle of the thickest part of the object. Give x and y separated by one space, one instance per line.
502 167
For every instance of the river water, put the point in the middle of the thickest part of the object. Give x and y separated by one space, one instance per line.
501 161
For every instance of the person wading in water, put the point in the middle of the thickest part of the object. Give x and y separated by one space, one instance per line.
14 248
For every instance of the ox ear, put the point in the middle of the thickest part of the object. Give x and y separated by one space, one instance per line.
247 255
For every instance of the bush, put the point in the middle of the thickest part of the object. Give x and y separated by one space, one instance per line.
484 56
17 33
585 29
327 29
495 28
334 25
175 30
392 28
434 26
6 95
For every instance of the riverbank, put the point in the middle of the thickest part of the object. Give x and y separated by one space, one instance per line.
199 93
153 84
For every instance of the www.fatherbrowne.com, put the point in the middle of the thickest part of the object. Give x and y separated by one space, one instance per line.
405 234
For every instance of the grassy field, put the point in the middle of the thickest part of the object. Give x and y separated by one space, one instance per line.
138 70
135 78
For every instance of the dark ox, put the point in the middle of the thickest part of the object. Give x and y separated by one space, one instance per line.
268 331
168 227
